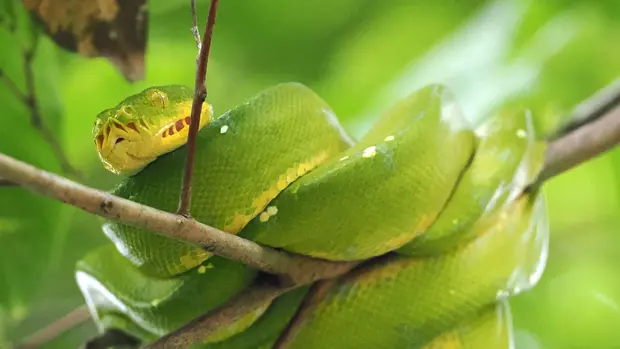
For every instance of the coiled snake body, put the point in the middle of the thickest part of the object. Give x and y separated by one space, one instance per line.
440 204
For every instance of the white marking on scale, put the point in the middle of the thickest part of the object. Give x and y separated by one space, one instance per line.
369 152
272 210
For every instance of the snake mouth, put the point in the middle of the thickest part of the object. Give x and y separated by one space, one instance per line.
139 158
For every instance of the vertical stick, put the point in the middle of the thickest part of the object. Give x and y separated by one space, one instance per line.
200 94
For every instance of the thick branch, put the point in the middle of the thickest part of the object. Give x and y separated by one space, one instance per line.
590 110
581 144
299 268
200 94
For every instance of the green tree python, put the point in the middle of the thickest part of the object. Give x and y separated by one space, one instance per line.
437 203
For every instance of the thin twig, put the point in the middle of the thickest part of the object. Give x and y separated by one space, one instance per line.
200 94
7 19
37 120
195 30
76 317
225 315
12 87
31 102
299 268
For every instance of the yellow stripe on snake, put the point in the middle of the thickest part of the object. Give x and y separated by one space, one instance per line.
438 202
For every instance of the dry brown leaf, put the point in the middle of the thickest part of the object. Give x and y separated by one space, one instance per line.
114 29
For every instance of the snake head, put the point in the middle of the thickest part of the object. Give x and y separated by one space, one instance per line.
144 126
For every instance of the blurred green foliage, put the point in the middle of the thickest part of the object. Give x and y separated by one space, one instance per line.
360 56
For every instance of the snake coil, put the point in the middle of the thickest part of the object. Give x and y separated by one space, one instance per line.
438 204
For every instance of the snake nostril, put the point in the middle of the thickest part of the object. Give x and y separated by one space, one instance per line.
118 140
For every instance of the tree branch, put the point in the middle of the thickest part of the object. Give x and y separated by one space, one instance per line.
581 144
200 94
299 269
590 110
65 323
225 315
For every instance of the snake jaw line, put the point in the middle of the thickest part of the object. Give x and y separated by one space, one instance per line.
145 126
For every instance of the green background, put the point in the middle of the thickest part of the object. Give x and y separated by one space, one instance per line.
360 56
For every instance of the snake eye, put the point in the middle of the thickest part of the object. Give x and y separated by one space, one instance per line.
158 99
127 110
118 140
